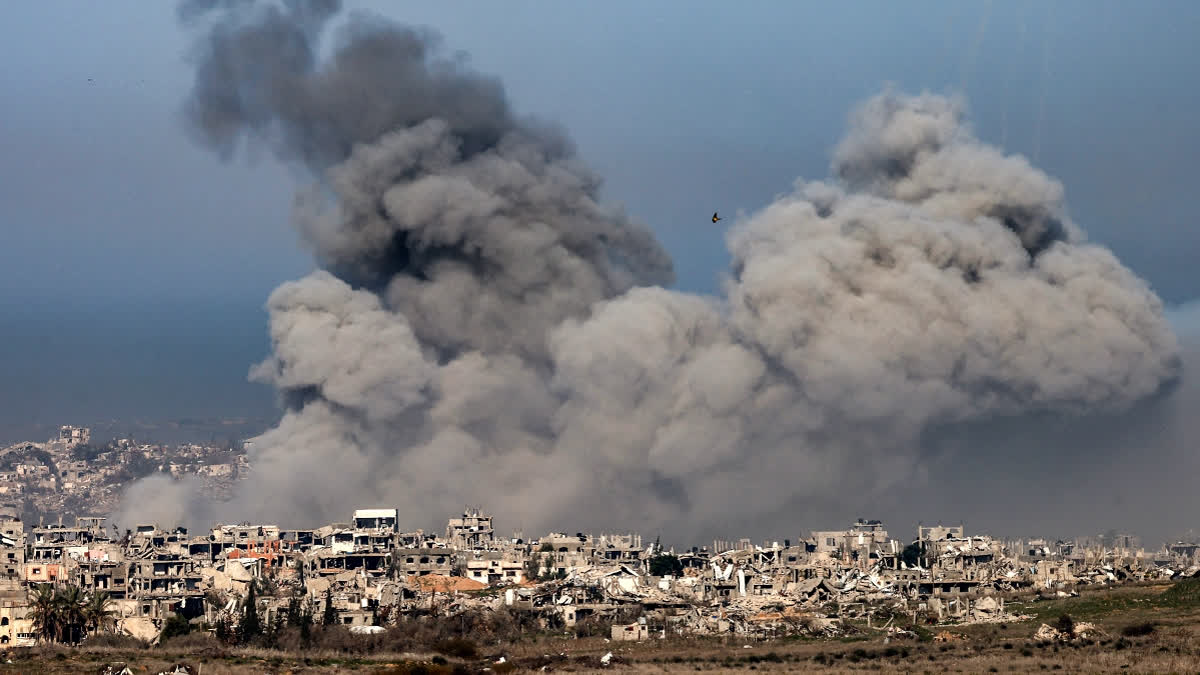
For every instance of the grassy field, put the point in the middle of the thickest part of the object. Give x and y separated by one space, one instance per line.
1144 629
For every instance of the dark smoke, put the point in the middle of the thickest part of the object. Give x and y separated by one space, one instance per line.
487 332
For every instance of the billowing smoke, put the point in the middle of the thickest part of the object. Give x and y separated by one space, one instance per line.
484 331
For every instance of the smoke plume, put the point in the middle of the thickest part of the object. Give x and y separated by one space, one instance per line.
485 331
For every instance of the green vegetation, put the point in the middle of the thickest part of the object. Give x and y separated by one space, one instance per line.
663 564
66 615
1185 593
912 554
457 647
329 618
250 626
1065 624
175 627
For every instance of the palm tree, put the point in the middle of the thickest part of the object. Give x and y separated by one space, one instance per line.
63 615
96 613
44 612
69 603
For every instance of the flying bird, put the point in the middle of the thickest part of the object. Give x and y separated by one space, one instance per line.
715 217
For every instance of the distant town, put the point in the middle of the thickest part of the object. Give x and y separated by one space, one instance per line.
368 572
67 476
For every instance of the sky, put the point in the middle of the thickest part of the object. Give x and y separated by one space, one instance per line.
134 264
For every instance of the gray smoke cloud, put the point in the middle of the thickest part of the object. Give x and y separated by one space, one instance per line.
485 331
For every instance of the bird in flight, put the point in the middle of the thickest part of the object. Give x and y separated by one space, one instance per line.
715 217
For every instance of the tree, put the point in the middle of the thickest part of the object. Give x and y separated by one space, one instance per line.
58 615
1066 624
250 626
665 564
86 452
912 554
223 633
140 466
70 609
330 616
271 636
383 614
306 622
293 611
96 613
176 625
548 565
532 567
43 611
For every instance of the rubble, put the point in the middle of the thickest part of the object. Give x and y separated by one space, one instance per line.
368 573
1080 631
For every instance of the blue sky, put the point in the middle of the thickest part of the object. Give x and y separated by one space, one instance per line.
683 107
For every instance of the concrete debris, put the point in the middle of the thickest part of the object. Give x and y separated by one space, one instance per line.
373 574
1048 633
1079 631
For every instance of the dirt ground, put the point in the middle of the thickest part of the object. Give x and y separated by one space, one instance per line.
1142 629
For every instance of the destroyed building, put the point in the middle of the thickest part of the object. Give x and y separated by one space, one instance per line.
371 567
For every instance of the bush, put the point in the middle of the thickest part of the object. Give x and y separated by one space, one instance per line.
115 641
1065 624
457 647
665 564
1186 592
600 625
175 627
190 641
1138 629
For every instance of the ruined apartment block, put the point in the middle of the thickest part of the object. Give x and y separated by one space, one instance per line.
371 569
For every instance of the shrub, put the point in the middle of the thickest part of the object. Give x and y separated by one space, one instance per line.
115 641
457 647
1138 629
664 564
175 627
192 641
1186 592
1065 624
